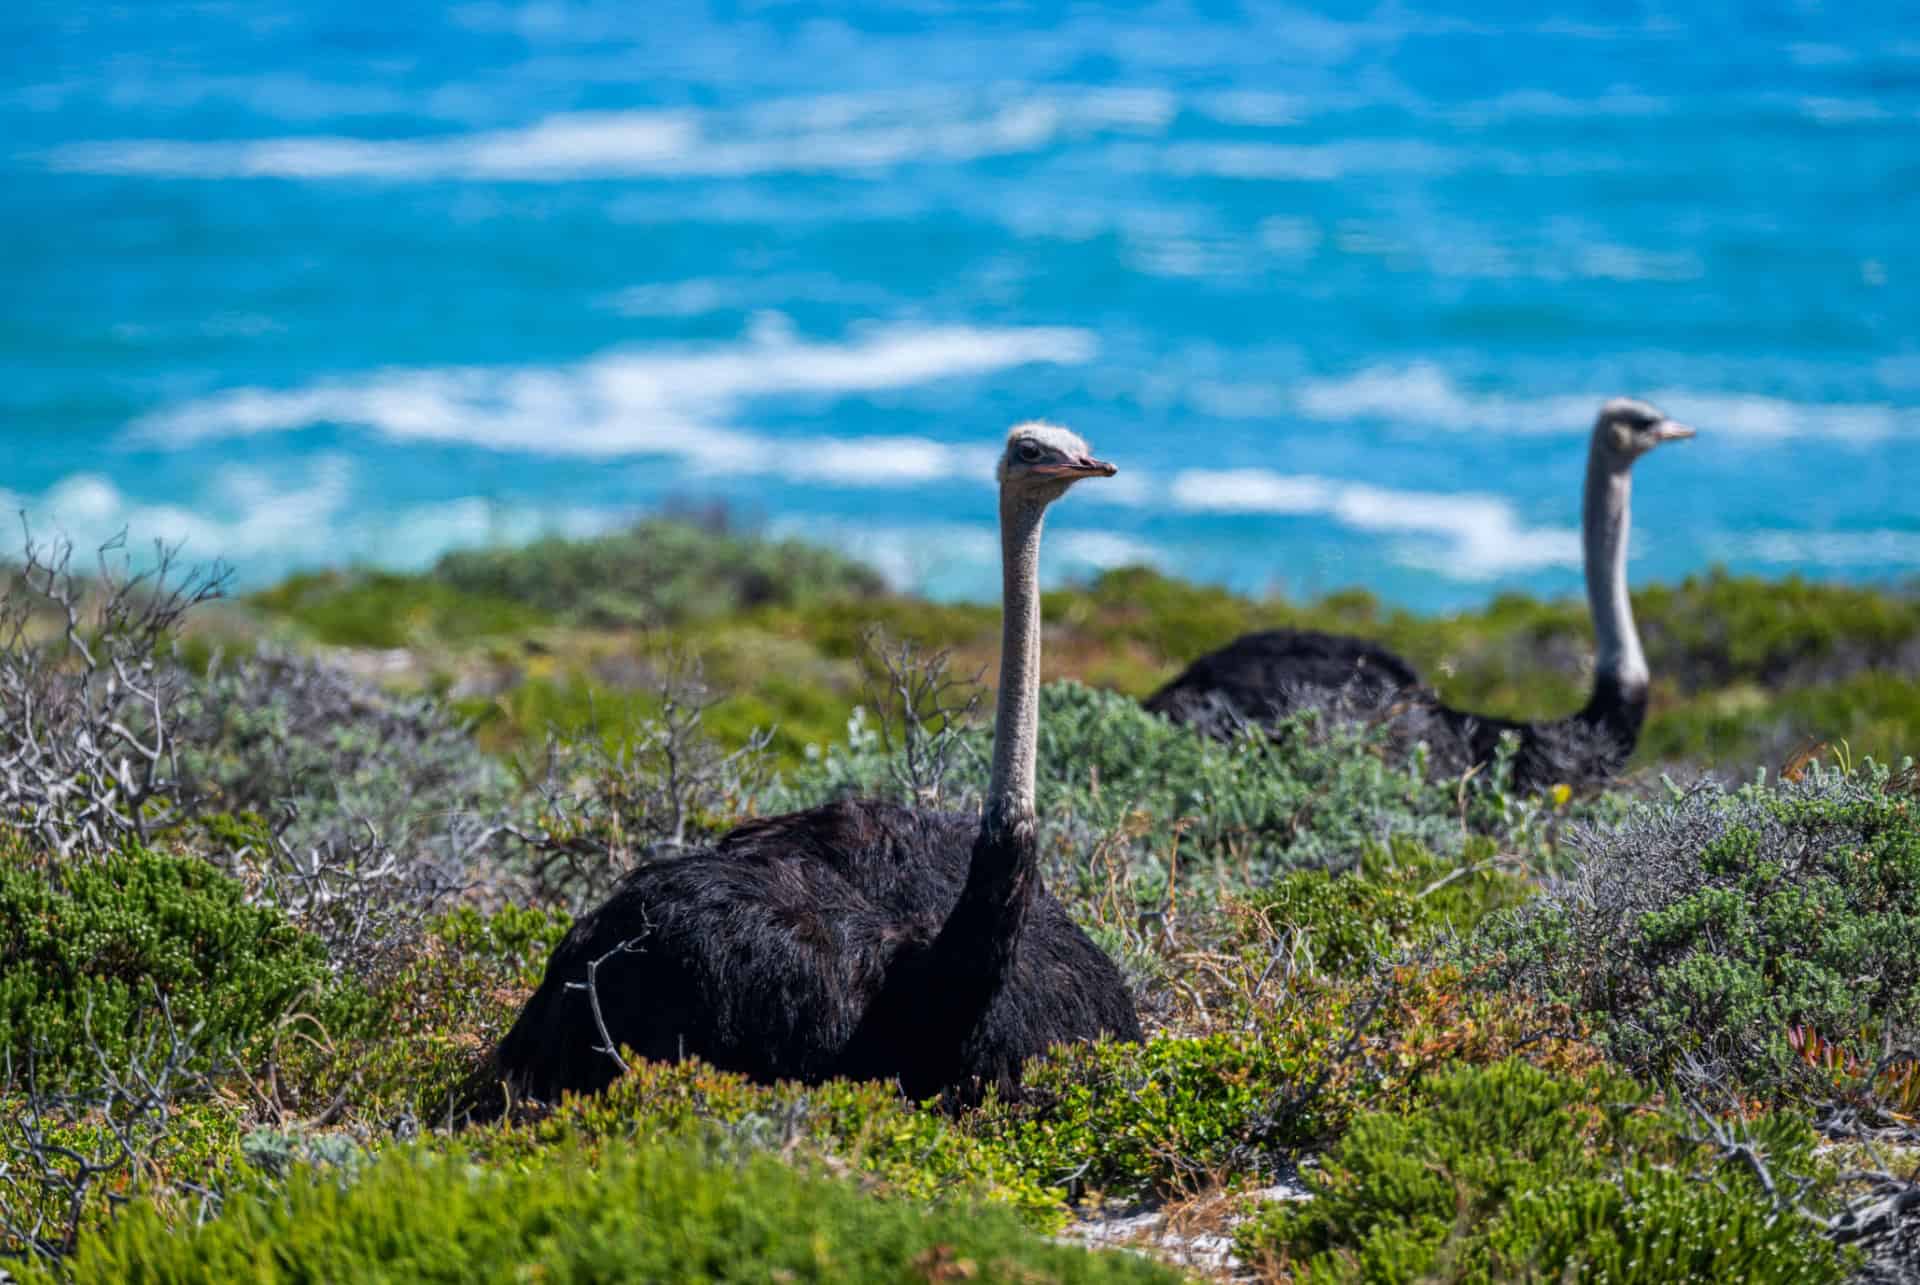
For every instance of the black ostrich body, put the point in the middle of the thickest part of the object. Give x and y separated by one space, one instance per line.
826 943
857 939
1264 677
1261 679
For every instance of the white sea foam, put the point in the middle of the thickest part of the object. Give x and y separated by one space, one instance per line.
1843 111
676 402
839 134
1478 536
268 522
242 512
964 557
1423 394
1104 550
1875 548
1313 162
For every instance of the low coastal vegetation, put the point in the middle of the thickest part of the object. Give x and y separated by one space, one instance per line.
276 871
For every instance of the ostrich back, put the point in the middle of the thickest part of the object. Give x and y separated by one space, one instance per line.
764 953
1261 678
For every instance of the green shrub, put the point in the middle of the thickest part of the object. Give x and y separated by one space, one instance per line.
68 1161
1397 899
367 608
89 949
1133 1120
412 1046
1274 1082
658 572
1742 726
1509 1173
867 1126
1706 928
277 728
1715 629
667 1213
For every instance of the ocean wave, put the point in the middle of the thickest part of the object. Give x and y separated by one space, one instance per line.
677 402
1481 536
1876 548
1423 394
266 522
836 134
963 558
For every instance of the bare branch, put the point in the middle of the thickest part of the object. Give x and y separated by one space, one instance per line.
88 690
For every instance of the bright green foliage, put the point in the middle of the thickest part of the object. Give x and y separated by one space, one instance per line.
189 1147
667 1213
89 949
1127 1120
1275 1081
1713 924
660 571
385 609
1875 711
1509 1173
1343 921
911 1151
1744 669
1716 629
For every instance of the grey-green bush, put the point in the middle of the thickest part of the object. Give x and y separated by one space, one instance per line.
1320 794
262 731
1705 930
1510 1173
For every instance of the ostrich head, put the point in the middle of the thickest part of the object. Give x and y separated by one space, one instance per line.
1043 460
1628 429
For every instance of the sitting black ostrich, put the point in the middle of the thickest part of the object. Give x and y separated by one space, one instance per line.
1263 677
858 939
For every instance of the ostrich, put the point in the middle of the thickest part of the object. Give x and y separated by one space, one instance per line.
859 939
1263 677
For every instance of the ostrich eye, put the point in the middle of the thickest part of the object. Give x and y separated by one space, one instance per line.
1029 452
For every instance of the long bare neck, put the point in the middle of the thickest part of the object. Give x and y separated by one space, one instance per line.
969 961
1016 721
1605 518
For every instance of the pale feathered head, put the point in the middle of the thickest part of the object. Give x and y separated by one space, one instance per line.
1045 459
1628 429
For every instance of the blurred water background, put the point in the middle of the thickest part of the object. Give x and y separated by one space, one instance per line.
1340 288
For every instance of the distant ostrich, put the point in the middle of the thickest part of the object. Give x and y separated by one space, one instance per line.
858 939
1263 677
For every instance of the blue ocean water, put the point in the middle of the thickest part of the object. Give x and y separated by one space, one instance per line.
1339 288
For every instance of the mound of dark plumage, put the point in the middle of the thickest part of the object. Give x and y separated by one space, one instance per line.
1262 678
831 942
859 939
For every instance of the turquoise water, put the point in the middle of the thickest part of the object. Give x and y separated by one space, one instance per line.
1339 289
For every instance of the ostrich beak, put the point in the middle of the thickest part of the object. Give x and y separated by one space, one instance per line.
1087 466
1669 431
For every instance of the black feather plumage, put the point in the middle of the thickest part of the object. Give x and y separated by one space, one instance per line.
826 943
1261 679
